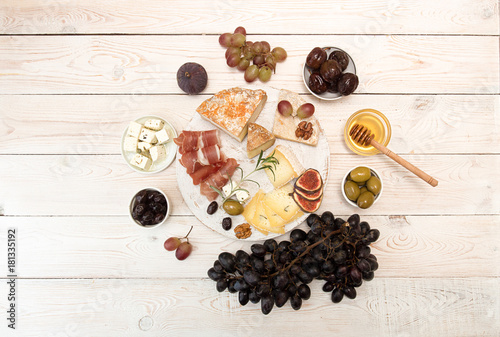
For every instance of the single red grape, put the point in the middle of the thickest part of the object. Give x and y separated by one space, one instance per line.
172 244
183 251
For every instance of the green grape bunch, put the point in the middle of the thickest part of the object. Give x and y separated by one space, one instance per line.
333 250
256 59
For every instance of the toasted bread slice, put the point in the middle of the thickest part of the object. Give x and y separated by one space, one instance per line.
285 127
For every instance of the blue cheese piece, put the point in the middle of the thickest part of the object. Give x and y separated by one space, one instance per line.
143 146
154 124
134 129
130 144
162 136
141 162
242 196
228 188
148 136
158 153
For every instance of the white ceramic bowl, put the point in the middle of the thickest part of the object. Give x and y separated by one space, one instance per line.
328 96
374 173
170 147
132 204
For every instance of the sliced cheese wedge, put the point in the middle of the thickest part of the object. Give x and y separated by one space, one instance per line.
288 167
259 139
251 207
260 221
281 202
274 219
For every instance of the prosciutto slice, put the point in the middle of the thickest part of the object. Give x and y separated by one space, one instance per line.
204 172
193 140
218 179
209 155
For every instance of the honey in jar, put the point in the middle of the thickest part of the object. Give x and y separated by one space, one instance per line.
376 122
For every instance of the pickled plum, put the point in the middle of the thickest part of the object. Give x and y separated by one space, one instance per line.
316 58
317 84
341 57
330 71
347 84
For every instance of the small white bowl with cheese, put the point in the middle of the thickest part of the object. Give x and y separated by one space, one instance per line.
147 144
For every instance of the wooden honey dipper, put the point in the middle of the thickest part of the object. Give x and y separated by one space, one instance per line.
364 137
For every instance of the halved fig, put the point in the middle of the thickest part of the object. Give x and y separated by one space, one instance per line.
309 195
309 181
308 206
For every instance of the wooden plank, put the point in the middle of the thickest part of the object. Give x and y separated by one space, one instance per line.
102 247
82 124
104 185
383 307
181 17
148 64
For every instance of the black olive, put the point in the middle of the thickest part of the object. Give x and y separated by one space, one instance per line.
192 78
212 208
316 58
341 57
227 223
317 84
347 84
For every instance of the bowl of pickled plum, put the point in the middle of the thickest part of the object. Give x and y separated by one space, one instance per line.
149 208
330 73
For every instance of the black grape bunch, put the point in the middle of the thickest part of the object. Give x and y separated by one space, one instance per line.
333 250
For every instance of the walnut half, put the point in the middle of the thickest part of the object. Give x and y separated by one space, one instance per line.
304 130
243 231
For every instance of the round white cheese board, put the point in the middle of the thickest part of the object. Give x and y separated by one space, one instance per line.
317 157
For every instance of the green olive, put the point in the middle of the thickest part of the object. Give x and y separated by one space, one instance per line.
366 199
232 207
351 190
374 185
360 174
362 190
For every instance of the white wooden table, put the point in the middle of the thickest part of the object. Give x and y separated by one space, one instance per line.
74 73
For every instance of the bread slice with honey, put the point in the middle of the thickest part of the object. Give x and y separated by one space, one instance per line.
285 127
233 109
259 139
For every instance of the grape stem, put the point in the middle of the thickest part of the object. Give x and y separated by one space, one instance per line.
186 237
309 249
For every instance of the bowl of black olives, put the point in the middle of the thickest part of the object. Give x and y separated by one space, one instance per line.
149 208
330 73
362 187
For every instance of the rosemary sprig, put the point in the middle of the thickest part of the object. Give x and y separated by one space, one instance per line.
269 163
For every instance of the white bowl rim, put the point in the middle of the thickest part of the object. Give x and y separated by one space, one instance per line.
132 202
305 68
352 203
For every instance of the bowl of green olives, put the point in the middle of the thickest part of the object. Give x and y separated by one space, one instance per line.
329 73
362 187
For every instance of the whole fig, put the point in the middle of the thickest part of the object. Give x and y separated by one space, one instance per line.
192 78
